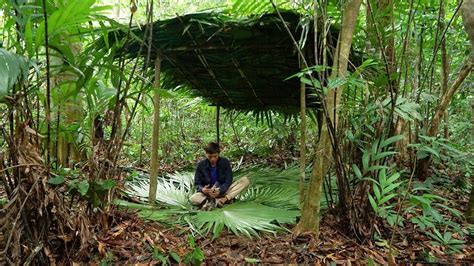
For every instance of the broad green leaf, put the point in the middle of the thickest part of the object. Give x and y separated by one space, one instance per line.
83 187
12 69
56 180
391 140
245 218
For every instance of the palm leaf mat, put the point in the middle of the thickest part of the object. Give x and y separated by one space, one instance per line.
270 202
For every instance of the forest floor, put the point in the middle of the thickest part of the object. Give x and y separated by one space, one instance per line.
132 240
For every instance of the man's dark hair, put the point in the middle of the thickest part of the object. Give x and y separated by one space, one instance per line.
212 148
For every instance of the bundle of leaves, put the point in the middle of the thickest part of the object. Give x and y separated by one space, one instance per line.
264 207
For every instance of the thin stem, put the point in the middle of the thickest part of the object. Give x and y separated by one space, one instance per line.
48 87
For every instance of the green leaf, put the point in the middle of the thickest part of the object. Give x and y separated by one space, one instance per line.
430 150
421 200
251 260
245 218
56 180
175 256
387 198
357 171
365 161
29 38
381 155
377 192
164 93
83 187
374 205
336 83
12 69
108 184
393 178
391 187
376 168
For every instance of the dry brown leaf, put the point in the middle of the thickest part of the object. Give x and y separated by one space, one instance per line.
101 248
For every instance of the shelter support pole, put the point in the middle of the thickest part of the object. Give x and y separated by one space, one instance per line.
218 108
156 134
302 140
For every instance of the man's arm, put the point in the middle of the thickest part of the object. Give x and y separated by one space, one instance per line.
198 177
228 179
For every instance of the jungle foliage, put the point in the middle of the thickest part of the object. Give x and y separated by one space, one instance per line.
388 146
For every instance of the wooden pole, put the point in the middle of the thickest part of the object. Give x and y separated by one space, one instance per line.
218 108
156 135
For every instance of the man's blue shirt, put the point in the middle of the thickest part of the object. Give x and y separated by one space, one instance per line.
213 175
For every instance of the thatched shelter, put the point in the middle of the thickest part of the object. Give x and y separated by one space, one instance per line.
237 64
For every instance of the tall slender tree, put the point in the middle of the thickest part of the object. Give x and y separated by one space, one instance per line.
310 213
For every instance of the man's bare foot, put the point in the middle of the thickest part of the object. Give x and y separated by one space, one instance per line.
221 201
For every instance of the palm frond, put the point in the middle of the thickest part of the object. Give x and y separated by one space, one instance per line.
278 197
270 201
174 189
245 218
167 215
12 68
268 176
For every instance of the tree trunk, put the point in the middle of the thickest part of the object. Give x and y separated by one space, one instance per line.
423 165
302 140
444 65
309 221
468 20
155 136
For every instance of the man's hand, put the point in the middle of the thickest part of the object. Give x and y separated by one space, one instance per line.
206 190
215 191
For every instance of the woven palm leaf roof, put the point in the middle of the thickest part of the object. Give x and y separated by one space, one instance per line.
237 64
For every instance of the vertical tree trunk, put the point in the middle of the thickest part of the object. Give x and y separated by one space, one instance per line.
467 11
309 221
155 136
424 164
444 65
302 140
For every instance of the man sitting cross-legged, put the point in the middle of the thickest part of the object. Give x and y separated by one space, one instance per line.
213 180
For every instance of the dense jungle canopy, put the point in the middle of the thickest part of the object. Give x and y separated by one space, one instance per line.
348 127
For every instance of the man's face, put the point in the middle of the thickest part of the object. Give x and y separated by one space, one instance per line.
212 157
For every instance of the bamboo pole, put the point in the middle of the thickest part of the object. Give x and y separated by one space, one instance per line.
156 134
